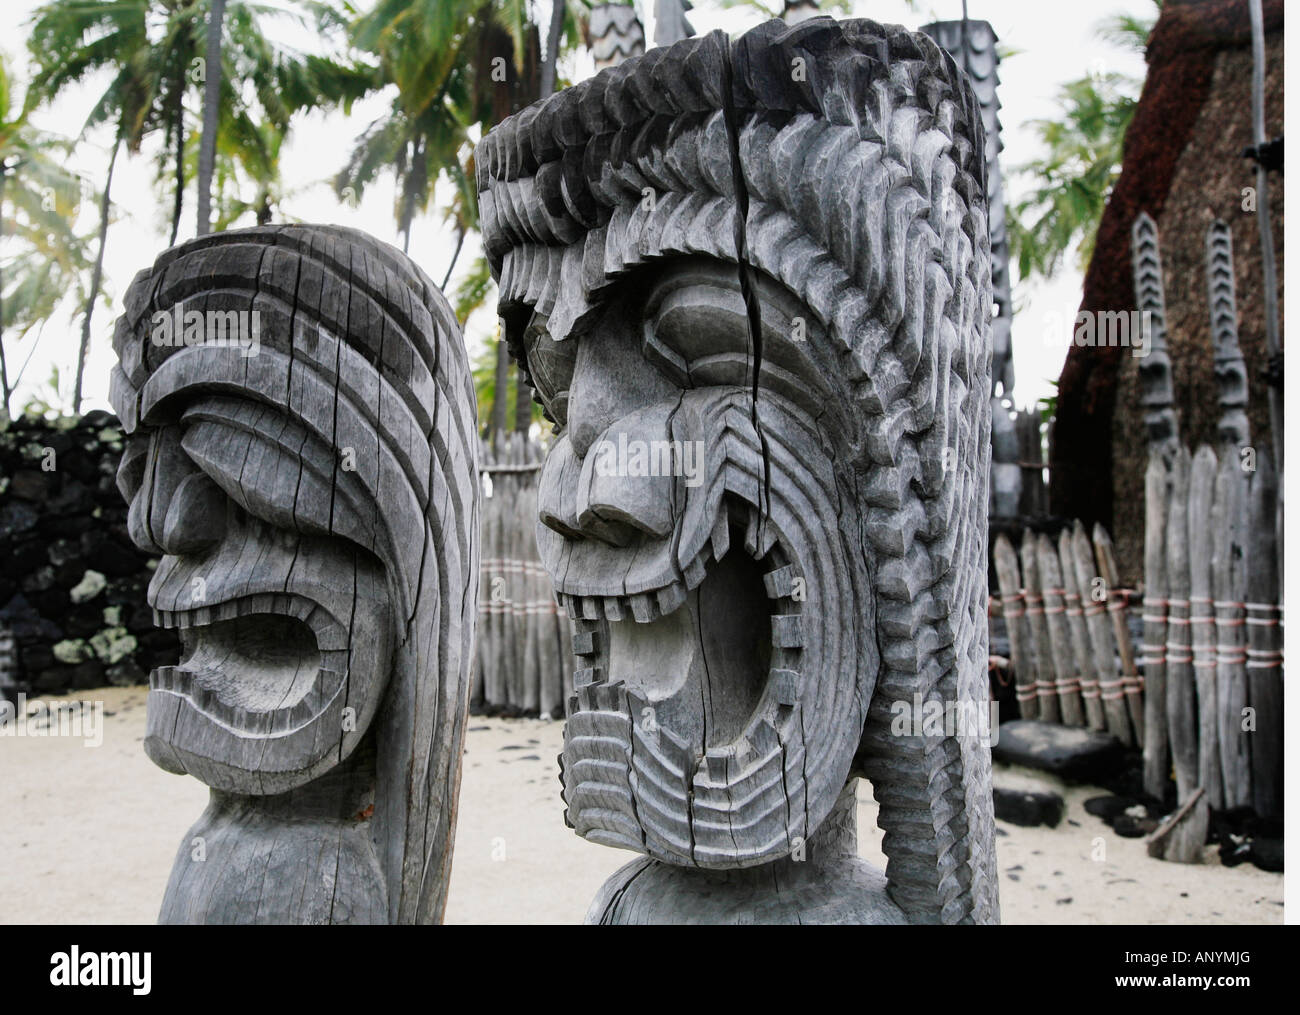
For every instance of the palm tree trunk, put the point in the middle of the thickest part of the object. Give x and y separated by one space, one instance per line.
460 240
178 135
96 277
4 365
554 31
523 402
211 113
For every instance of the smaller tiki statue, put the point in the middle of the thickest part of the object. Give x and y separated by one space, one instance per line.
750 284
302 454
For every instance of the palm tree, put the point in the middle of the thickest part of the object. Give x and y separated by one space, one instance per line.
39 201
1084 152
211 98
149 47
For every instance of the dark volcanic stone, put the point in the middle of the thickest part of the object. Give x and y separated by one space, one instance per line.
28 484
1078 755
1027 808
1266 854
1107 807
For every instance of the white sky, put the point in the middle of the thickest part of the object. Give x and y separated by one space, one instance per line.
1055 42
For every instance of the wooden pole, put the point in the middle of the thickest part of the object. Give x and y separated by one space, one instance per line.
1180 688
1155 611
1264 641
1117 608
1058 629
1229 578
1092 597
1083 655
1049 708
1200 529
1018 630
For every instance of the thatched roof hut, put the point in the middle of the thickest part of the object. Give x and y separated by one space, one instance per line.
1183 165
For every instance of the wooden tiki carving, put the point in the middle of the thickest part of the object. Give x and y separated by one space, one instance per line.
311 486
750 283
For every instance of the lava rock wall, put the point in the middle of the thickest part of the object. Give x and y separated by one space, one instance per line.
72 584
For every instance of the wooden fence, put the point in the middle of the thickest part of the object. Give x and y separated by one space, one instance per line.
1066 620
525 648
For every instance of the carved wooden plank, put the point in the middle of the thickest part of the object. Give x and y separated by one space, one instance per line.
1201 525
1229 579
1154 369
1116 606
1155 613
1180 688
313 495
1264 641
1018 630
1181 837
1229 366
1058 629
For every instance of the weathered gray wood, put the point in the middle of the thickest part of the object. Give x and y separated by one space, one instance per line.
1018 630
1049 705
1155 613
1229 366
1264 641
1081 649
680 259
1092 595
1116 606
1180 688
1154 368
1181 836
1200 528
1229 579
1058 628
313 498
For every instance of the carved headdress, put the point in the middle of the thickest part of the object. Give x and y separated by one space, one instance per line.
773 249
313 489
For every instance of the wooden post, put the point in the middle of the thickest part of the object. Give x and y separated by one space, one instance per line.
1181 837
1049 707
1117 608
1155 611
1018 629
1229 523
1092 597
1264 638
1082 650
1154 373
1180 688
1058 628
1200 529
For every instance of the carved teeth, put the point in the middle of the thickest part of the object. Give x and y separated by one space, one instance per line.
643 608
614 609
787 631
671 598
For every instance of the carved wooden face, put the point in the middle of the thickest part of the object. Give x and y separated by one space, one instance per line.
708 547
274 685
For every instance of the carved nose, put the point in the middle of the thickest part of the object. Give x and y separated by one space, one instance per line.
178 509
611 378
196 516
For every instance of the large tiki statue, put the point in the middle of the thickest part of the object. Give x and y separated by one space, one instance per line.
313 495
750 284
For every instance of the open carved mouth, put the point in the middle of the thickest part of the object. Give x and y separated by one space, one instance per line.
699 683
261 664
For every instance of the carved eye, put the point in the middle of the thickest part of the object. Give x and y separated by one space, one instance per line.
130 471
550 364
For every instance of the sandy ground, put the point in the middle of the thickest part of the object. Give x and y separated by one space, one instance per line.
88 836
